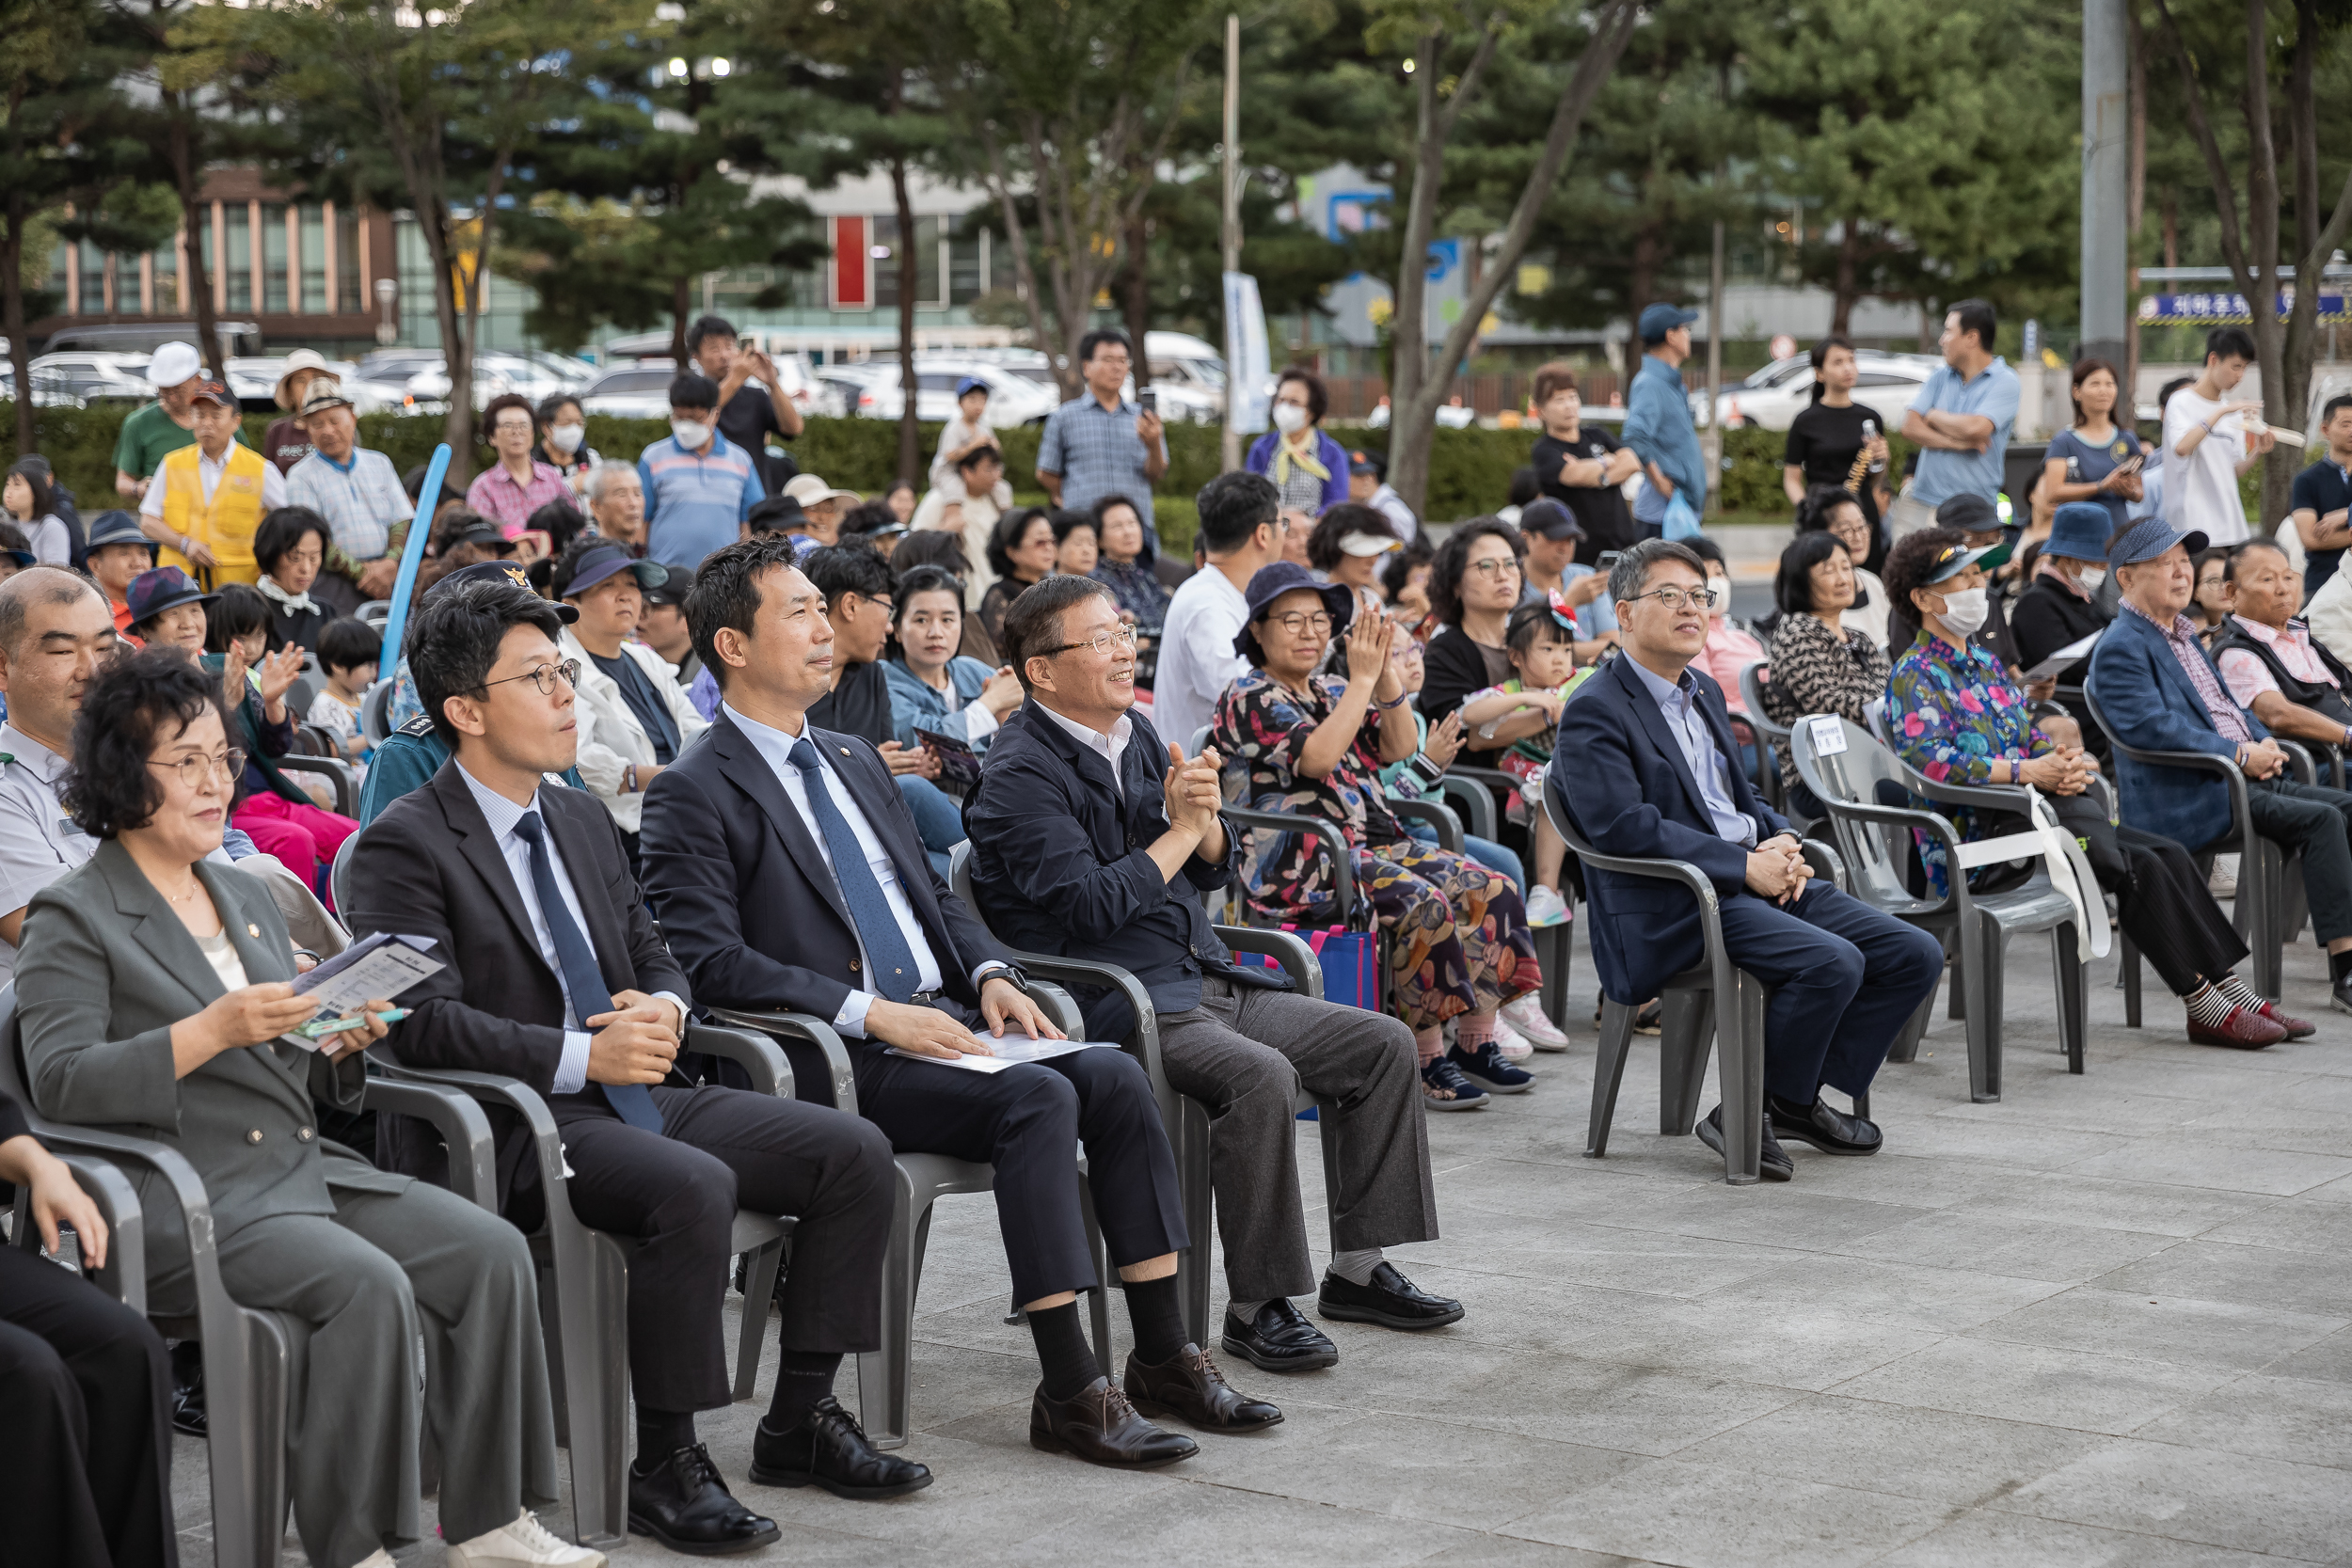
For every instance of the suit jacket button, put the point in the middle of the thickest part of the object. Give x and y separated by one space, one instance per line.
854 966
254 1136
304 1134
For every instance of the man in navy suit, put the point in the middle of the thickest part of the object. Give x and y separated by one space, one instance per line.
787 874
1648 742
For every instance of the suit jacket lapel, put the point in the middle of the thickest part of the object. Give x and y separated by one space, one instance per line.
481 852
1662 733
743 765
2168 667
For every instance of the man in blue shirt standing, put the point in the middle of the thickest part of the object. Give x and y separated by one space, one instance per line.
1658 423
1960 420
1099 444
699 488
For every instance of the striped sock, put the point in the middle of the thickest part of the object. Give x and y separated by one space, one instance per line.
2208 1005
2240 993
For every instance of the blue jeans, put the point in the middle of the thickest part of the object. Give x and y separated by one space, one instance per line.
937 817
1485 851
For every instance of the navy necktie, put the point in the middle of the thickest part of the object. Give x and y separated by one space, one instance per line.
583 982
895 970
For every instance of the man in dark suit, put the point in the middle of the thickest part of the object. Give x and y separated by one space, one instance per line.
1656 776
1092 838
556 976
787 870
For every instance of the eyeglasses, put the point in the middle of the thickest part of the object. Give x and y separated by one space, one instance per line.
1122 635
195 770
1298 620
1496 566
1680 599
543 678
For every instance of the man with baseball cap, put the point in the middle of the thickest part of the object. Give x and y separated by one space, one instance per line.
359 494
209 499
285 443
823 504
2159 691
1368 486
662 624
1657 425
164 426
1554 538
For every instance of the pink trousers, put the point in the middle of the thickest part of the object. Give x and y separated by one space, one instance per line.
301 835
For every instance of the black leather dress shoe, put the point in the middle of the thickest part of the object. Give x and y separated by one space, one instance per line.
1100 1426
187 1389
1774 1164
685 1504
1388 1299
829 1449
1194 1386
1279 1339
1822 1125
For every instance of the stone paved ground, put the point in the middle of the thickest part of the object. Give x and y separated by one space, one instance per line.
2105 1321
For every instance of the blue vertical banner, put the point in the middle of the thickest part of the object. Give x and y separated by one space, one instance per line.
1249 357
411 557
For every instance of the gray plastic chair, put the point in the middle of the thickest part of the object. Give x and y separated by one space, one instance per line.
375 709
1185 1119
1973 928
338 773
246 1372
1772 736
376 613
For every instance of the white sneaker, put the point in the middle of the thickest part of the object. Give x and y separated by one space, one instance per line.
1526 1018
524 1542
2223 882
1509 1042
376 1558
1545 906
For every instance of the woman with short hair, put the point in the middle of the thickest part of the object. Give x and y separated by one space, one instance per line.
1820 661
290 548
1021 551
1307 465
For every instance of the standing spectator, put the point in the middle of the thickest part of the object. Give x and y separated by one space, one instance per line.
1129 551
967 432
208 500
162 427
972 513
661 625
1019 552
2322 494
30 499
1307 465
616 504
1837 512
350 653
1820 661
2275 672
564 442
2094 460
1582 467
285 443
699 487
359 494
931 685
518 484
2208 447
1099 443
1368 486
1960 419
752 401
118 552
635 719
1837 441
289 549
1241 530
1555 538
1657 426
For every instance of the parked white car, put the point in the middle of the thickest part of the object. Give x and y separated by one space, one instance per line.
630 392
1013 398
1773 397
93 377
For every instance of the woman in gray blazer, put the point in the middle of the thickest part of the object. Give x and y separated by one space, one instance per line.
153 989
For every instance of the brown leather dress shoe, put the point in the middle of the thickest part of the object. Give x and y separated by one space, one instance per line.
1194 1386
2243 1030
1100 1426
2297 1029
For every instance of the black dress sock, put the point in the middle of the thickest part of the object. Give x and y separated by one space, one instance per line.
1062 1352
659 1435
802 1378
1158 1319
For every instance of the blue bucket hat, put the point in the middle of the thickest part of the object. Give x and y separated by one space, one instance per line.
165 587
118 527
2079 531
2150 538
1284 577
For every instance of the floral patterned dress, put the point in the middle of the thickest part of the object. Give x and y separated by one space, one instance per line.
1457 935
1952 711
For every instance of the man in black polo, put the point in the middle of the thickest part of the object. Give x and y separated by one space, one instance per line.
753 404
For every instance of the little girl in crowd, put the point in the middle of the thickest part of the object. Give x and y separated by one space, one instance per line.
349 650
1525 710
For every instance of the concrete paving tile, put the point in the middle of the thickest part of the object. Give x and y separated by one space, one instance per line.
2188 1331
1982 1142
2213 1167
1902 1295
2329 1360
2036 1383
1197 1522
2296 1223
1811 1350
2299 1420
1707 1515
2105 1109
2006 1244
1764 1214
1933 1455
2017 1540
1600 1405
1579 1253
2215 1499
2296 1279
1502 1551
2338 1191
2157 1209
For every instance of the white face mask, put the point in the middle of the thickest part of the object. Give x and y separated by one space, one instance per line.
1289 418
1720 605
690 434
566 437
2092 578
1966 611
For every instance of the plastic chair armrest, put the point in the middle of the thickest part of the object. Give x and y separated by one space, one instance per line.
457 1116
124 1277
1475 804
347 780
762 1058
1286 948
1439 816
807 1028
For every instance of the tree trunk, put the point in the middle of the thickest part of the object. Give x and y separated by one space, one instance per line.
196 217
1408 459
1134 291
681 310
1848 277
910 433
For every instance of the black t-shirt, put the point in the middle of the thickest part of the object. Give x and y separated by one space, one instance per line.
644 702
859 705
747 420
1600 508
2046 617
1824 442
2322 488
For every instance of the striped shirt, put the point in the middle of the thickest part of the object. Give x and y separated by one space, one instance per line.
362 500
497 497
1097 453
695 501
2228 721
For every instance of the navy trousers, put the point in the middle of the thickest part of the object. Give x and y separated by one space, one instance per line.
1844 978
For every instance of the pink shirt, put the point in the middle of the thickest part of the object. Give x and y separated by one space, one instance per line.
2248 677
497 497
1728 651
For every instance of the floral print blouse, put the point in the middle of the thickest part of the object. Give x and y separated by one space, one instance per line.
1262 729
1952 712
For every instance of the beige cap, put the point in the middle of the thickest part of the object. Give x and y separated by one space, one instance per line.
810 491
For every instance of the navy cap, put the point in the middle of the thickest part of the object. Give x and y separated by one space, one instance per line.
1285 576
166 587
2079 531
1659 320
2150 538
778 514
600 561
970 384
118 527
1551 519
506 572
1969 512
673 589
22 558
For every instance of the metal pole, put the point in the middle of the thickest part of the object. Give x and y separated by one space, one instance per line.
1714 444
2107 179
1231 455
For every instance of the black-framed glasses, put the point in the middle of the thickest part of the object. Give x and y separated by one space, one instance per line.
1121 636
1674 599
195 768
544 677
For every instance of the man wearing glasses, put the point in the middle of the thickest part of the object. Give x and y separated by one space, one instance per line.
1241 530
1657 777
1099 443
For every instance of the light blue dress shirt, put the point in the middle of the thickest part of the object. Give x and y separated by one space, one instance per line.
1944 474
1678 701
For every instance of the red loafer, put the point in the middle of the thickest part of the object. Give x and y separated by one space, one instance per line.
2241 1031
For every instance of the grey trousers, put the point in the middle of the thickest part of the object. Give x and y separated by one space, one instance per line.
1245 1052
365 1284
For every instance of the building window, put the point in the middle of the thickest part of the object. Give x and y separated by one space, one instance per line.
926 263
274 260
348 294
168 279
239 244
313 261
967 266
93 274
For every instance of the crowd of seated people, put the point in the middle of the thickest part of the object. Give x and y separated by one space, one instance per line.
599 859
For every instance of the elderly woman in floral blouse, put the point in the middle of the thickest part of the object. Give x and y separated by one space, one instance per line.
1458 940
1819 663
1956 716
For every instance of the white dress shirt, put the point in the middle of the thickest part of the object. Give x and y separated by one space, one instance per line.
207 472
1678 701
571 1074
775 749
1111 747
1197 657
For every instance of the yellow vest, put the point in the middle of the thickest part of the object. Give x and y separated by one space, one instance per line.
226 523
